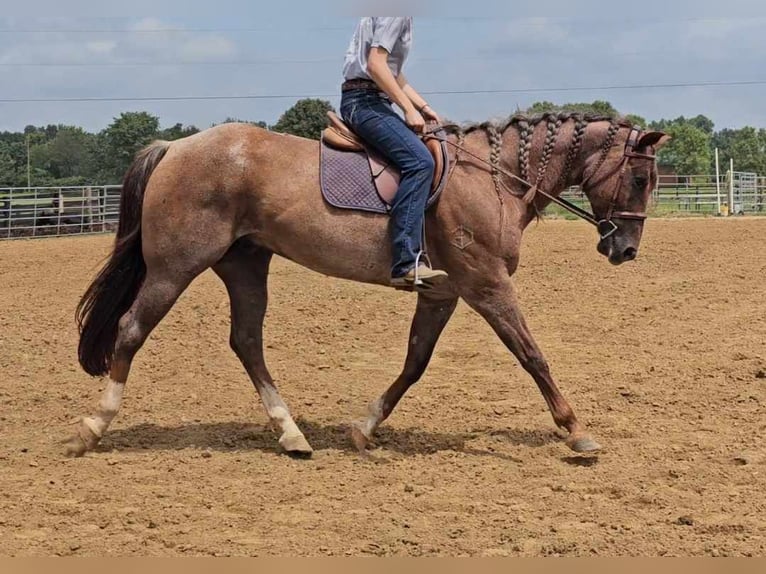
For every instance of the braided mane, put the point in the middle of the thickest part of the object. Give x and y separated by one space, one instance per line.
525 126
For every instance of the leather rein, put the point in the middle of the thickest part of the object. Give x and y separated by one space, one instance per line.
606 227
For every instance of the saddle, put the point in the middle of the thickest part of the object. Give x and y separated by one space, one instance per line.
353 176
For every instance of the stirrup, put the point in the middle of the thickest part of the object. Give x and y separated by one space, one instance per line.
406 285
414 281
418 281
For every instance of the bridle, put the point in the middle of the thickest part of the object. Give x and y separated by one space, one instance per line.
606 227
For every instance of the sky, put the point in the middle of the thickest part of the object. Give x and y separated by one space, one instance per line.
472 60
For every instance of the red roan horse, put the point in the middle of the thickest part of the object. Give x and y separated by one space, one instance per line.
232 196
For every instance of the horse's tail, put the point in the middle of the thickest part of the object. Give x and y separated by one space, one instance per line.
115 288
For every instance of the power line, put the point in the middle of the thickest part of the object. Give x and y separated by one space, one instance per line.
181 63
246 63
158 30
533 21
430 93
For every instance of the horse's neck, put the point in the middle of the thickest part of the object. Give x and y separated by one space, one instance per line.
552 157
548 154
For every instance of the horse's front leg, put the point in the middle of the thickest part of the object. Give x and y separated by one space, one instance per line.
431 316
498 304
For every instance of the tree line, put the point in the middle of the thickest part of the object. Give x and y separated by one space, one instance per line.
61 155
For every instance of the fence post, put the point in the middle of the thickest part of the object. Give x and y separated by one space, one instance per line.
718 182
731 186
34 212
101 207
10 211
59 211
89 210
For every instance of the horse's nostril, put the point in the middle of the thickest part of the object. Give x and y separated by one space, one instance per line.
630 253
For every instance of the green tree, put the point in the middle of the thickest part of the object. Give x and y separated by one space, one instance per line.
700 122
307 118
747 146
124 137
177 132
598 107
689 152
13 146
8 171
704 123
67 155
542 107
637 121
259 123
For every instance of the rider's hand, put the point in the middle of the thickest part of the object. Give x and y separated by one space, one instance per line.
415 120
429 114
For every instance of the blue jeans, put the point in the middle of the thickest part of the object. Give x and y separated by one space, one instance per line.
371 115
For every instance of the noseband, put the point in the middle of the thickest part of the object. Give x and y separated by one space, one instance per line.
606 227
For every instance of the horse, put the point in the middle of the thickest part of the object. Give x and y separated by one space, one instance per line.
232 196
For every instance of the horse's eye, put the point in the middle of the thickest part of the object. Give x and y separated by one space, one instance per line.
640 181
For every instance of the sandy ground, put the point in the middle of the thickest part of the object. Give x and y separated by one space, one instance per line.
663 358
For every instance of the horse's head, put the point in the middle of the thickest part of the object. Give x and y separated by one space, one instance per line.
619 185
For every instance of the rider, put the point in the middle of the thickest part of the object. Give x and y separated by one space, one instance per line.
373 79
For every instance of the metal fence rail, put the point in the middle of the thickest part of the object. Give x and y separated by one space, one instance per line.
50 211
747 193
737 194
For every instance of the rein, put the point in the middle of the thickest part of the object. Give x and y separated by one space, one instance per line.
606 227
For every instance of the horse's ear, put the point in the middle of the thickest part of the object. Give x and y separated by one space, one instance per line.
654 139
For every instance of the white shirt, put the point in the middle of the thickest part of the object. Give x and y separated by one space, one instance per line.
393 33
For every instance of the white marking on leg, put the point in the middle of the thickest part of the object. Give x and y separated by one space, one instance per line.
107 409
281 416
375 410
278 411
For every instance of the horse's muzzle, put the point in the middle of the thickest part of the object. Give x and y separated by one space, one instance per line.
616 253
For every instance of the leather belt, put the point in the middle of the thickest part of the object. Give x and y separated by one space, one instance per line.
360 84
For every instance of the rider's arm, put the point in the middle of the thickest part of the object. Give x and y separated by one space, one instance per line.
417 100
377 68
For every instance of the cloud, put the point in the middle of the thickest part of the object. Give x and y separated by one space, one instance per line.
102 47
536 31
207 49
502 45
719 29
148 40
721 40
147 25
118 64
156 41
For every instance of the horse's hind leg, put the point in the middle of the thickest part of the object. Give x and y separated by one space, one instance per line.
156 296
431 316
172 262
244 271
498 305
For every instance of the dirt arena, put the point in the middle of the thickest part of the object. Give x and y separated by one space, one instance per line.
663 358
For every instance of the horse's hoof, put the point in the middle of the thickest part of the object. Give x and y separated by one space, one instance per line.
296 445
75 447
361 440
81 442
583 444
